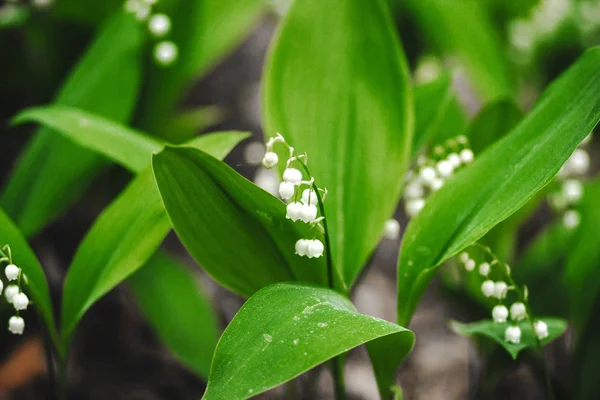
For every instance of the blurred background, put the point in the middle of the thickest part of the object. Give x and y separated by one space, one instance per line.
492 50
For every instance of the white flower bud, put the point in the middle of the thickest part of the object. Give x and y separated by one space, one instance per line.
159 25
16 325
484 269
392 229
268 180
454 160
309 196
413 206
165 53
12 272
488 287
500 289
427 174
500 313
302 247
20 301
571 219
294 211
308 213
518 311
462 139
10 292
466 155
512 334
464 257
444 168
292 175
541 329
579 162
470 265
315 248
436 184
270 159
286 190
414 190
572 190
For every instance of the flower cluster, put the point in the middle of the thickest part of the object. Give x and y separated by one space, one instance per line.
498 289
12 292
303 196
432 172
165 51
571 189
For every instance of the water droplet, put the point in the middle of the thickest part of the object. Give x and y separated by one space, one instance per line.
321 324
296 318
250 391
296 341
305 353
268 338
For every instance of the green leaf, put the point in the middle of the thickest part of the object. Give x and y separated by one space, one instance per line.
287 329
234 229
494 121
337 87
121 240
204 31
171 299
128 147
464 30
53 172
501 180
37 286
431 103
581 275
495 331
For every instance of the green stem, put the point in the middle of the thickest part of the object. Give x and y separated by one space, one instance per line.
64 366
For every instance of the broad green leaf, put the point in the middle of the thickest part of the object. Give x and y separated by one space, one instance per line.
204 31
464 30
52 172
336 86
121 240
129 148
495 120
236 231
37 286
500 180
454 122
172 301
495 331
287 329
431 103
581 276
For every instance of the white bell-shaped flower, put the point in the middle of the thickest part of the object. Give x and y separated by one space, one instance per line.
467 156
20 301
572 190
292 175
286 190
16 325
499 313
427 174
315 248
12 272
309 196
10 292
159 25
541 329
518 311
579 162
500 289
413 206
484 269
270 159
308 213
436 184
512 334
302 247
414 190
571 219
470 265
391 229
165 53
454 160
464 257
488 287
294 211
444 168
